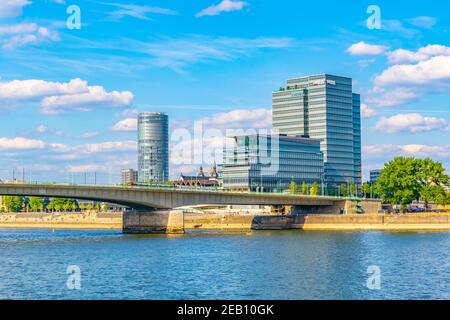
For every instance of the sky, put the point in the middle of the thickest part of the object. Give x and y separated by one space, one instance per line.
69 94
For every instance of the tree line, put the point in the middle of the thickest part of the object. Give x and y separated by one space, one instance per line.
36 204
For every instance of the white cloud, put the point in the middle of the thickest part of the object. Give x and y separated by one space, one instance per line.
13 36
96 97
362 49
406 56
22 90
57 97
12 8
179 53
397 26
425 72
87 168
411 150
411 122
90 134
240 119
20 143
136 11
367 112
423 22
223 6
129 124
393 97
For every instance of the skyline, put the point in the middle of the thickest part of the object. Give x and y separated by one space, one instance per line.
68 97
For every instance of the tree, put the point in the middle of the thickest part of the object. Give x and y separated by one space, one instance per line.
293 187
343 190
105 207
36 203
352 189
89 206
13 203
365 189
398 181
404 180
443 199
304 188
97 207
314 191
82 207
59 204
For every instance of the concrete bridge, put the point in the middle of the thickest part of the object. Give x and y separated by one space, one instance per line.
154 206
141 198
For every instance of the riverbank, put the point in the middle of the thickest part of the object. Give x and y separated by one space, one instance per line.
405 222
235 222
68 220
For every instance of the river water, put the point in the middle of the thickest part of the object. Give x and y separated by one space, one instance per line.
256 265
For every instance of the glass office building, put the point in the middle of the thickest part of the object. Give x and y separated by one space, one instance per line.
375 175
269 163
324 107
153 147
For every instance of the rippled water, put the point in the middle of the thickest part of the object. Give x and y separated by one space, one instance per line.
257 265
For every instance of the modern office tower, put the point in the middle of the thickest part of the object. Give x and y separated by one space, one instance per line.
269 163
129 176
324 107
153 147
374 175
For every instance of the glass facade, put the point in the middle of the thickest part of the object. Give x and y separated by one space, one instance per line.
324 107
153 147
374 175
270 163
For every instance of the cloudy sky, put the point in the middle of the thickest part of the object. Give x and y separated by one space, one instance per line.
69 97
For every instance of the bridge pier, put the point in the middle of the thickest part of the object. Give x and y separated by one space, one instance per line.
153 222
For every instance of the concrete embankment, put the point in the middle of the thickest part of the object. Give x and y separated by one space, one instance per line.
176 222
426 221
85 220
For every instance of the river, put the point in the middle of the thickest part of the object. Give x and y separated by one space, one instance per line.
256 265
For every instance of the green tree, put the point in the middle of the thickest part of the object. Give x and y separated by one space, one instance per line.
59 204
304 188
89 206
365 189
314 191
105 207
352 189
443 199
13 203
293 187
343 190
404 180
50 206
82 207
398 183
36 203
97 207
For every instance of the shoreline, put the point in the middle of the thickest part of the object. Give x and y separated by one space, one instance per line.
239 223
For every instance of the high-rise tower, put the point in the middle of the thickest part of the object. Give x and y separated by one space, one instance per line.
153 147
324 107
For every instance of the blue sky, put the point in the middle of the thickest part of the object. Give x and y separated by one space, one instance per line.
68 98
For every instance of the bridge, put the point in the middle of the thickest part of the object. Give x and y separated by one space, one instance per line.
150 198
